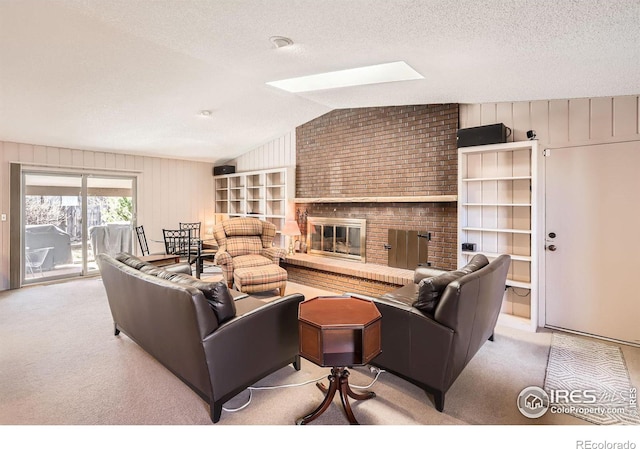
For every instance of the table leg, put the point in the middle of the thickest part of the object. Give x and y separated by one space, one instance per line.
338 381
359 396
199 260
330 393
344 397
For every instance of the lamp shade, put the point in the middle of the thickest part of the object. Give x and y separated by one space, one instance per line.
291 228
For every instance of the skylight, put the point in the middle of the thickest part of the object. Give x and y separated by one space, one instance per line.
373 74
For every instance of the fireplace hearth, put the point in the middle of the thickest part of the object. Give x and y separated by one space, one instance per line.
337 237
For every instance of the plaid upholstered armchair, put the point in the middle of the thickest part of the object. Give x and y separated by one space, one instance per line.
247 256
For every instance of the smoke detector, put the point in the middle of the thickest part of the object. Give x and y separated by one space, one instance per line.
280 41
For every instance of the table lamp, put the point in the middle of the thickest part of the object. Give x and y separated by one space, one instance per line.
291 229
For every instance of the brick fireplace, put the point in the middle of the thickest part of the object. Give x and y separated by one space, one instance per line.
386 165
438 219
384 152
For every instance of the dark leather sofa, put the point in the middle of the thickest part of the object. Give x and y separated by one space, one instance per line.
432 346
216 345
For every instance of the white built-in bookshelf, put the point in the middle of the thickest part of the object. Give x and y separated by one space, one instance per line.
263 194
497 192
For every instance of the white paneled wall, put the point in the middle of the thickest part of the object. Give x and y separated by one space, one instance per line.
169 190
556 122
280 152
559 122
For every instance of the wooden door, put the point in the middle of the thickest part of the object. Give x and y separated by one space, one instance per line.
592 200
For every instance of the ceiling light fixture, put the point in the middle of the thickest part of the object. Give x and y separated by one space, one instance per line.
205 113
280 41
373 74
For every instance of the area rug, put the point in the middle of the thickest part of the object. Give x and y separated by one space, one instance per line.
589 380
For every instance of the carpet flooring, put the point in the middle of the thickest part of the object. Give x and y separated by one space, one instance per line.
61 366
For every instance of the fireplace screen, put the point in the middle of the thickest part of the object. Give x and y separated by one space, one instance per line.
338 237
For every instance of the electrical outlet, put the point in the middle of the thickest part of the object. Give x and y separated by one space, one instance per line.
4 217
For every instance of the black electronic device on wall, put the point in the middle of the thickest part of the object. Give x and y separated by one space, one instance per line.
224 170
483 135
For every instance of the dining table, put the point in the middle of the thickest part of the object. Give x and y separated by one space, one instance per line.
161 260
208 244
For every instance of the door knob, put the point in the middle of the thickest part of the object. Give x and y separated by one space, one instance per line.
552 247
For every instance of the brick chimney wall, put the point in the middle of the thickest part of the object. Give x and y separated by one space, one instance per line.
382 152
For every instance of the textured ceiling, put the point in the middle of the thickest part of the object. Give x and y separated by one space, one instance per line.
132 75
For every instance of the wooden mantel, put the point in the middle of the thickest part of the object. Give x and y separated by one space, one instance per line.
382 199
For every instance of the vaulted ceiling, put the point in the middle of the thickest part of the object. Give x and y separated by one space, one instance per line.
133 75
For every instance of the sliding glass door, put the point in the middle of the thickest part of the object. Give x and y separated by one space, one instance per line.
69 218
109 217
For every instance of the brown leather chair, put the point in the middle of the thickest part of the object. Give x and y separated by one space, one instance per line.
430 350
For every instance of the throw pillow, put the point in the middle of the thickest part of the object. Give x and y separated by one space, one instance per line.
164 274
430 290
153 270
132 261
217 293
478 261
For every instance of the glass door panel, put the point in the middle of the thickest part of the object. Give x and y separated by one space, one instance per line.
52 211
109 215
316 238
354 241
341 245
328 241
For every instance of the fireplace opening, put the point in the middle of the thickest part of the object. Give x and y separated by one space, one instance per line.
337 237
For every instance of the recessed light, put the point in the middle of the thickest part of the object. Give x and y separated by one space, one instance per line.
373 74
205 113
280 41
